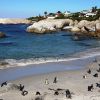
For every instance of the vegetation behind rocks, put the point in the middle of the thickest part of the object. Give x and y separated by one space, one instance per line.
74 16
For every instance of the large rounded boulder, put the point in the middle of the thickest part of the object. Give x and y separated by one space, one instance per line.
98 27
86 23
75 29
48 25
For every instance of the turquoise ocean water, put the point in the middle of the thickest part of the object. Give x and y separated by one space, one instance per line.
26 48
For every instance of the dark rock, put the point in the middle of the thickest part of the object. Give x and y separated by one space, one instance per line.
2 35
3 63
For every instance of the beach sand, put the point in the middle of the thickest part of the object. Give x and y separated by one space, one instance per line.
72 80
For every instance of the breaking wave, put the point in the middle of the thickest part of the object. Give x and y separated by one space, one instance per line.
23 62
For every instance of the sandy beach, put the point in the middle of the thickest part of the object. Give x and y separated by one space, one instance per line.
44 84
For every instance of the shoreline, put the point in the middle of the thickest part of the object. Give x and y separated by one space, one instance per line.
87 54
42 68
37 69
77 61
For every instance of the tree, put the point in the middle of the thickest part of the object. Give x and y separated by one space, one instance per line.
59 12
45 13
98 12
51 14
94 9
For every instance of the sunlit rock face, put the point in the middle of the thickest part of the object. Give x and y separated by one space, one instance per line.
90 28
49 25
98 26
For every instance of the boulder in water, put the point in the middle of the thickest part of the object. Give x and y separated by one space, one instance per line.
3 63
75 29
2 35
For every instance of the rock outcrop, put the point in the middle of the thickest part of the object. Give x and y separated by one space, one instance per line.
49 25
68 28
75 22
84 27
83 30
2 35
75 29
83 23
90 28
98 26
14 21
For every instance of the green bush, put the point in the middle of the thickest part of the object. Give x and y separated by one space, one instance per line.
37 18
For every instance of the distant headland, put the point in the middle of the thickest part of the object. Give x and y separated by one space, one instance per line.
14 21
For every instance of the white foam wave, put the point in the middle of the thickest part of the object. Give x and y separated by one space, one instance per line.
82 55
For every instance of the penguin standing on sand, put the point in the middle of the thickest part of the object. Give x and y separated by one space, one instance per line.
46 81
55 80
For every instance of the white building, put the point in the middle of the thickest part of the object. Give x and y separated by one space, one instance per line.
90 14
67 13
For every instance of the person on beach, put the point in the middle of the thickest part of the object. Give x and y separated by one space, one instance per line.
46 81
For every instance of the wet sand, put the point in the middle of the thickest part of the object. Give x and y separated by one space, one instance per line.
36 69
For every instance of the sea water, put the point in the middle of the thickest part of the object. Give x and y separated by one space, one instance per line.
21 48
